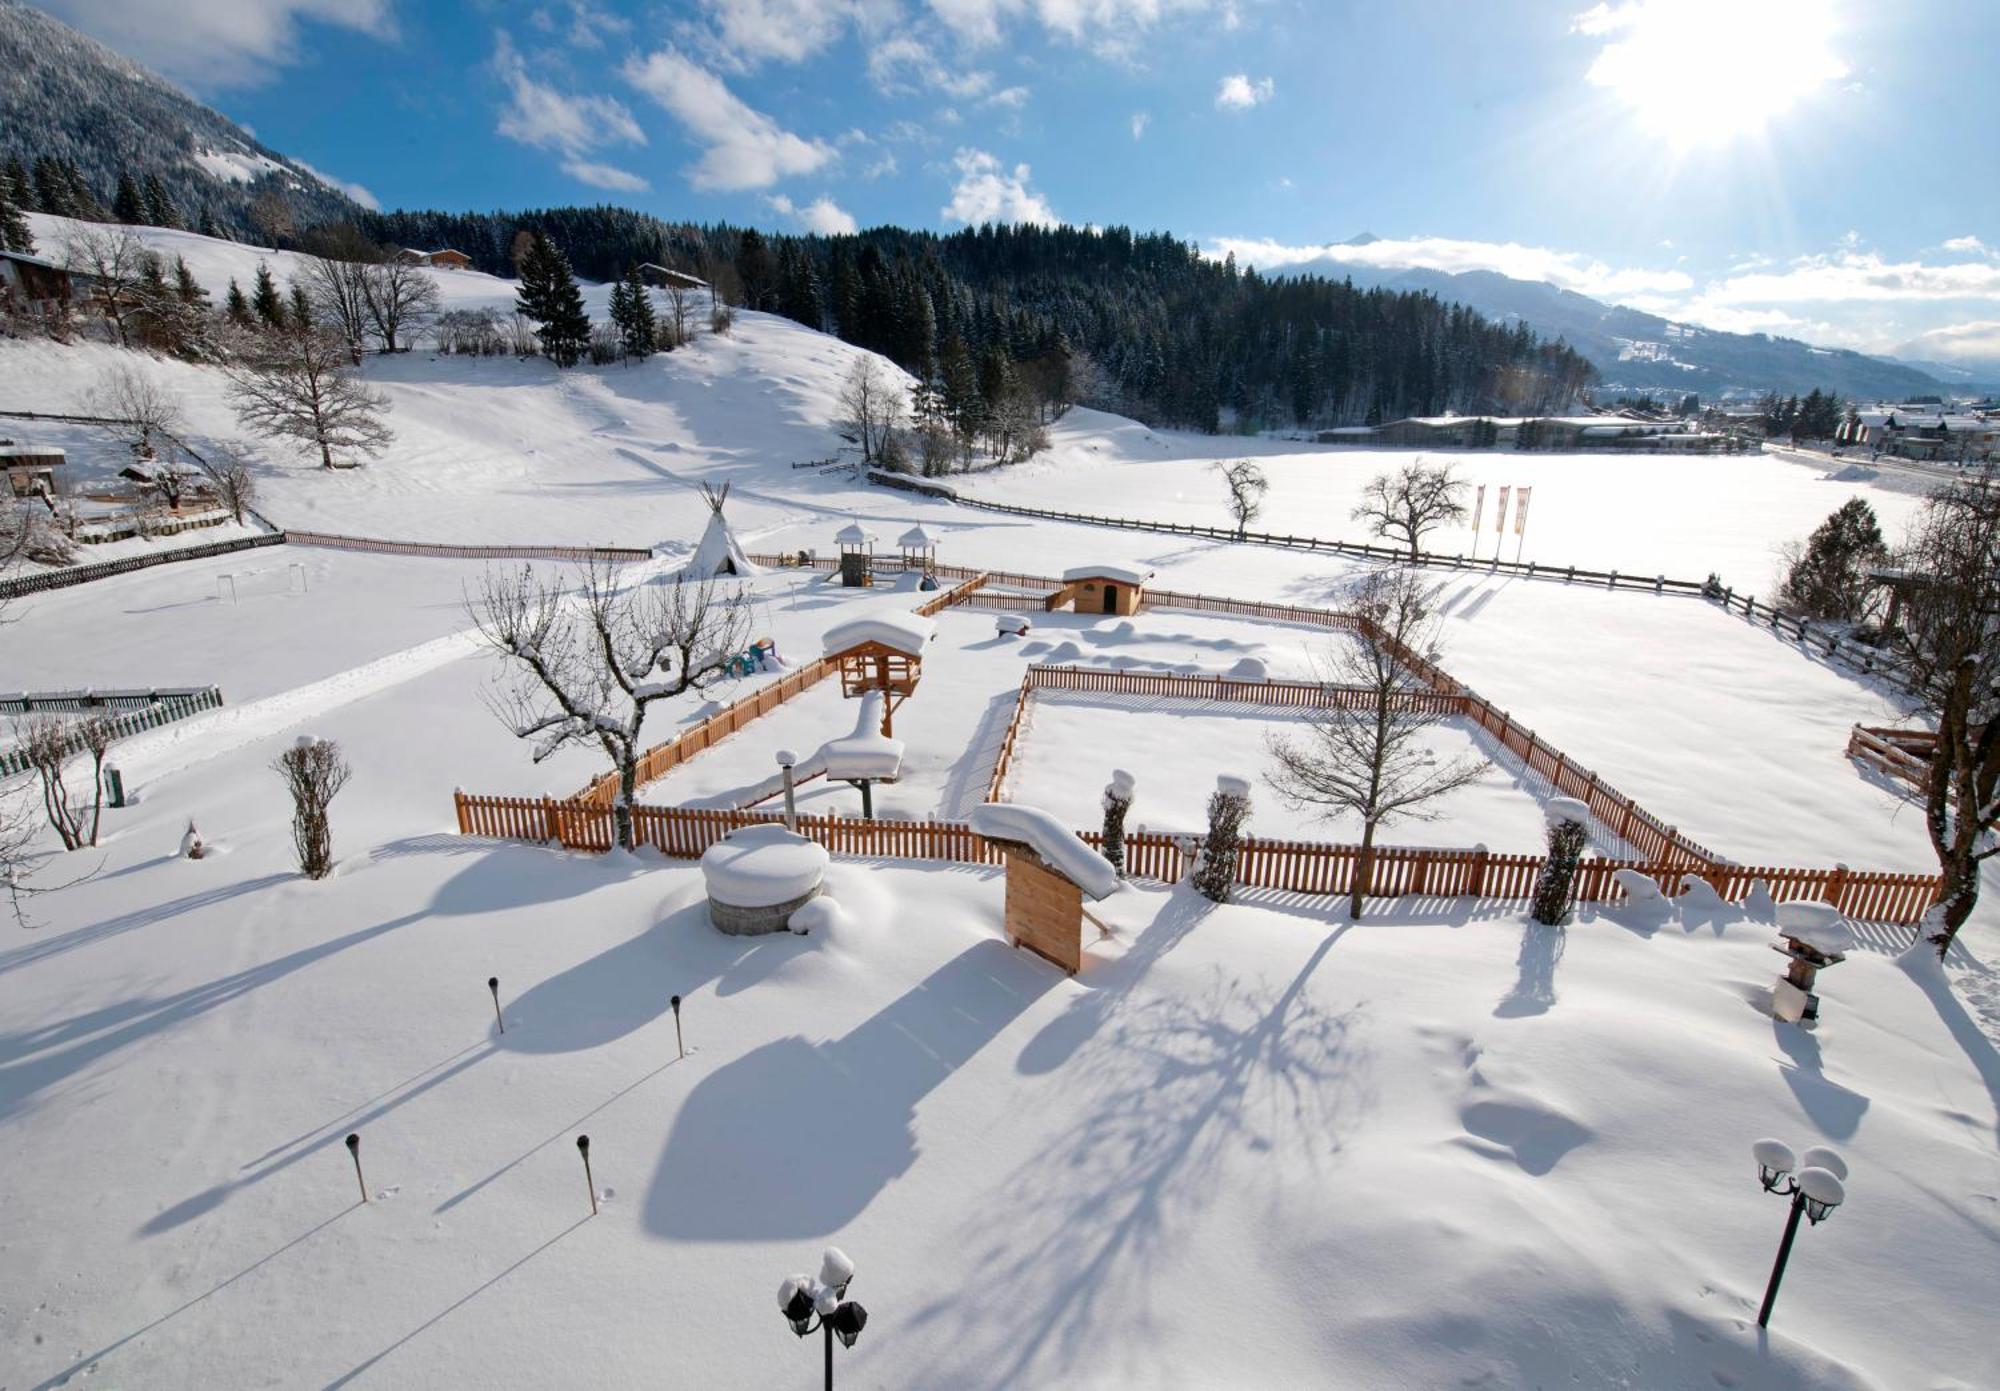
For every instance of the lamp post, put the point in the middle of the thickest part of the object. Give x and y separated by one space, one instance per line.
800 1297
1815 1191
786 760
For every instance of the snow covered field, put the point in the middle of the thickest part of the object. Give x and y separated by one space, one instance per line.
1250 1145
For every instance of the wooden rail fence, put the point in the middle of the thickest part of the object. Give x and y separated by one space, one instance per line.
1904 754
1286 866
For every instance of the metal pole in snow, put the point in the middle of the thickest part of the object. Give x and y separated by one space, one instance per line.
1784 1254
493 984
678 1044
583 1148
354 1148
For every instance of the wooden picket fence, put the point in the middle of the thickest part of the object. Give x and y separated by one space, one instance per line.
1298 867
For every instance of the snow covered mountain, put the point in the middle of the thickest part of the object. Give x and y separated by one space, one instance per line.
68 97
1640 351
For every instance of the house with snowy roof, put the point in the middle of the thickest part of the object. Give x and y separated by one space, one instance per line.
445 258
666 278
30 469
36 282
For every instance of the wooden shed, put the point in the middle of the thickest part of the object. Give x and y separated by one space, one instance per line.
1049 873
666 278
1113 589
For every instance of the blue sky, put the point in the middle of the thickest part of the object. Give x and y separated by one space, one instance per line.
1822 168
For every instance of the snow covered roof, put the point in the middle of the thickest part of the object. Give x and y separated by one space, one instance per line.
854 534
903 632
916 539
1123 574
29 451
1054 842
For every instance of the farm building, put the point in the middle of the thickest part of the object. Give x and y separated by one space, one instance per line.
665 278
30 468
35 281
1943 438
444 259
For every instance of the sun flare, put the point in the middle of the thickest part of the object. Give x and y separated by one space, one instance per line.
1708 72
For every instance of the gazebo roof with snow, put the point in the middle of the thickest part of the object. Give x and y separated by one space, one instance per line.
905 633
916 539
1121 574
854 535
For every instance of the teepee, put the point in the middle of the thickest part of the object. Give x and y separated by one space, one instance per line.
718 553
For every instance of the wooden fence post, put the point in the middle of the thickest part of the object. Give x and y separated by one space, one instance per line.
550 822
458 804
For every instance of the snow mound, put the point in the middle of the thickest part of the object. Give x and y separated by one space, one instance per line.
1818 925
1011 624
762 866
1049 838
901 632
822 914
1248 669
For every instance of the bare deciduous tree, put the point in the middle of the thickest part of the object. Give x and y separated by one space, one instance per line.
680 311
1366 754
1415 499
335 290
118 265
140 404
314 772
1247 486
227 469
402 300
871 406
589 666
300 385
49 742
1949 641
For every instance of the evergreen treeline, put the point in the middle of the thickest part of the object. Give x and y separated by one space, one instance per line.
1149 324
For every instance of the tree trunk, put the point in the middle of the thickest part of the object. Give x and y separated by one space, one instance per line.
1364 868
325 454
1957 896
621 810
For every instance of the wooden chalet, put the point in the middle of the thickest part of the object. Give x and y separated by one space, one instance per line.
30 469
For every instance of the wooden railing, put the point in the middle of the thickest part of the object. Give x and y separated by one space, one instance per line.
448 551
996 785
1287 866
1294 694
1904 754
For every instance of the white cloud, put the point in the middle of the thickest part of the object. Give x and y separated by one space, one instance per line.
1140 120
905 64
1978 341
1237 92
217 44
1569 269
538 114
1967 244
1850 276
604 176
787 31
987 191
822 215
744 148
353 190
1112 27
589 25
1013 98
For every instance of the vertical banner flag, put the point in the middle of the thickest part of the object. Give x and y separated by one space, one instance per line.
1478 509
1500 517
1521 511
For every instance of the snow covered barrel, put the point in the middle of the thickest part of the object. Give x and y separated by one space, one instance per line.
758 876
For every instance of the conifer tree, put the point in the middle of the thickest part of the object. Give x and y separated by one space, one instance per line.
299 310
798 289
632 315
52 189
549 297
14 234
265 300
187 287
160 209
16 174
754 269
237 307
128 205
80 197
206 224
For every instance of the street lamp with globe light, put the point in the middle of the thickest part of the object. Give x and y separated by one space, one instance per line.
1815 1191
800 1297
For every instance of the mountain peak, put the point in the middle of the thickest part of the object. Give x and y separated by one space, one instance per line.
1364 239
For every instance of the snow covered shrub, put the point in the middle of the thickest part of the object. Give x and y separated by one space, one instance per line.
721 319
1117 801
314 772
1228 809
1555 886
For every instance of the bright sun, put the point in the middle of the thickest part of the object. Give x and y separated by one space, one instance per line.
1706 72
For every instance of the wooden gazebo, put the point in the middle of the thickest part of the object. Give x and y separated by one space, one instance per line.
919 549
883 653
857 555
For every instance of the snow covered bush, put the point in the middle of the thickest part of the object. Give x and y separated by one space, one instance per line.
1555 886
314 772
1117 802
1228 809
